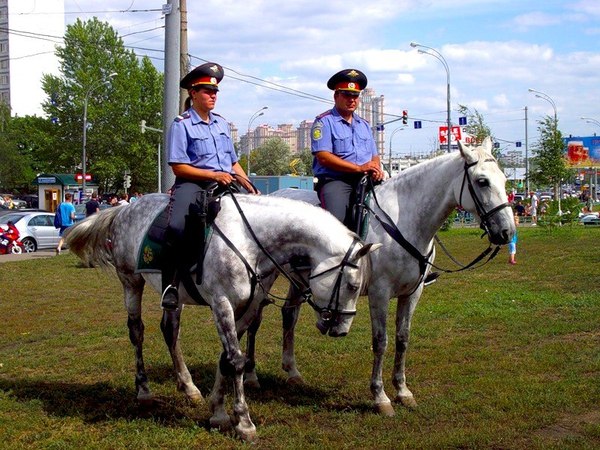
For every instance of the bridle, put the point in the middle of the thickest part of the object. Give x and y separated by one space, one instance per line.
329 314
424 260
484 215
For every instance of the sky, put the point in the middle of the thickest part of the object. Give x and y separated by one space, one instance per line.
281 54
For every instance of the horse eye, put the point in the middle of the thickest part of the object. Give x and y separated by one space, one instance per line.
353 287
483 182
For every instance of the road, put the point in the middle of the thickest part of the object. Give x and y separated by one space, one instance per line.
46 253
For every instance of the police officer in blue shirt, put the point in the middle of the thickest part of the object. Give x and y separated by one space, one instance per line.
343 147
200 153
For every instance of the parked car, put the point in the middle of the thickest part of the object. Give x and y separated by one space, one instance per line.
590 219
36 229
80 210
546 196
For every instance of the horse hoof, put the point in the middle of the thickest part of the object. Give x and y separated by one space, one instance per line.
220 423
252 384
145 399
295 381
407 401
247 433
385 409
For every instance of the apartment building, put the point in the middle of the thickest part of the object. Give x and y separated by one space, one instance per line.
29 33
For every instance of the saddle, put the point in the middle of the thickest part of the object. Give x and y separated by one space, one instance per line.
197 233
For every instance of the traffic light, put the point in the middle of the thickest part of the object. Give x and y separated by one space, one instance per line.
127 181
143 126
405 117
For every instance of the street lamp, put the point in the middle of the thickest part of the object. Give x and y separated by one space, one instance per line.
391 138
544 96
85 105
590 120
254 116
433 52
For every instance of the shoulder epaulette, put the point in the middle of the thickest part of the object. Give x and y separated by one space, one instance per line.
218 115
182 116
326 113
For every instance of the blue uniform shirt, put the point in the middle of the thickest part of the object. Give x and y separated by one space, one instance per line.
352 142
205 145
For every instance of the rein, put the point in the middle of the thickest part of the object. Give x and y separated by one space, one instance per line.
394 232
332 309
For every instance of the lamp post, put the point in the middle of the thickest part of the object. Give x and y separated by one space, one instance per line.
544 96
595 122
591 120
254 116
85 105
433 52
391 138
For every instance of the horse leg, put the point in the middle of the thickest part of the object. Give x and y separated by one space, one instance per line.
378 307
289 314
250 377
133 303
170 325
404 313
232 364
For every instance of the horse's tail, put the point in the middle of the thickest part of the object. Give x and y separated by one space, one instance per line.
90 238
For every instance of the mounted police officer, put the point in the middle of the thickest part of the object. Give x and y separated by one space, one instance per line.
201 152
343 147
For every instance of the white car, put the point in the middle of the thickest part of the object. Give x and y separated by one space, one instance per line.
36 229
590 219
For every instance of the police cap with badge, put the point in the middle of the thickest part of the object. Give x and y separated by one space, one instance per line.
350 81
207 75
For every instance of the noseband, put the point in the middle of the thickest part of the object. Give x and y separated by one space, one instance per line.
484 215
332 311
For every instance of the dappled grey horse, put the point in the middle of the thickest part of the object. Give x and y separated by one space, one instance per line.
242 260
416 203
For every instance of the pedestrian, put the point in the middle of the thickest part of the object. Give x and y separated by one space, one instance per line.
200 153
67 215
533 209
512 245
92 206
343 148
123 199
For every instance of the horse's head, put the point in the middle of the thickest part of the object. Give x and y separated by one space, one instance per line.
336 283
483 192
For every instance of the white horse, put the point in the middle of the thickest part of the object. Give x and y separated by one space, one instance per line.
235 270
416 202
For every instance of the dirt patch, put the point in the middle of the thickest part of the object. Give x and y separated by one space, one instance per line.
569 426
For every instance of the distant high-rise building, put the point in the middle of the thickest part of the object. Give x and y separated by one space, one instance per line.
303 141
29 33
371 109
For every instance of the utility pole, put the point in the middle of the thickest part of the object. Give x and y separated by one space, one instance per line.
526 155
172 76
185 59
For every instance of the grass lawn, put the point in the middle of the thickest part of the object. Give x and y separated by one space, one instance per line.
503 357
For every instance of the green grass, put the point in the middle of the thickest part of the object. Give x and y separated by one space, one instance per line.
501 357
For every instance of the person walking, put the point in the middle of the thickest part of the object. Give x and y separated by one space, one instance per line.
343 148
92 206
533 209
67 215
512 245
200 153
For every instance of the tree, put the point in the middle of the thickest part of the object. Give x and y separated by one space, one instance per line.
549 159
476 125
116 105
271 158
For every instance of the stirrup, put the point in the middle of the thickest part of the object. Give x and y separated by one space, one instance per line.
431 278
170 298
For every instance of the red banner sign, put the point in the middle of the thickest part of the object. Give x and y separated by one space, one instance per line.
456 135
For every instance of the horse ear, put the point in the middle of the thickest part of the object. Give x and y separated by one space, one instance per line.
365 249
468 152
487 145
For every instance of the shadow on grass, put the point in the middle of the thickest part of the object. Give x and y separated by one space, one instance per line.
103 401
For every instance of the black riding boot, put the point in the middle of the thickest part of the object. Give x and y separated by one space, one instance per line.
170 297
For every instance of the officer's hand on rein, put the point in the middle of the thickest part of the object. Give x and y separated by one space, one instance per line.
223 178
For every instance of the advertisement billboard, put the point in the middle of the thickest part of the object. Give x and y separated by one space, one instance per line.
582 151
